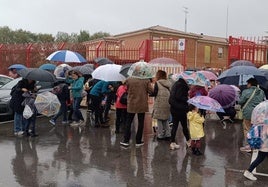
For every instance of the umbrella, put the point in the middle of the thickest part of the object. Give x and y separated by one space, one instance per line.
163 61
238 75
47 103
66 56
184 76
61 69
141 70
208 74
85 69
49 67
242 63
206 103
260 114
16 66
37 74
102 61
108 72
124 69
225 94
264 67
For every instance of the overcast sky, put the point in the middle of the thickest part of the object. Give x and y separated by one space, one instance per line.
245 17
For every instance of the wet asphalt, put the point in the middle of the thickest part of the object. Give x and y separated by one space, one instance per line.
86 156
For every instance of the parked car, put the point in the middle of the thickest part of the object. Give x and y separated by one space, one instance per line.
4 79
5 96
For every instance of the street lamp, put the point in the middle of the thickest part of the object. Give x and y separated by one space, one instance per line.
185 10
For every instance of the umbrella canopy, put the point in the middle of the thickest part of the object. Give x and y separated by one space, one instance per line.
264 67
66 56
141 70
85 69
17 66
260 114
206 103
242 63
61 69
208 74
47 103
124 69
49 67
184 76
108 72
102 61
238 75
37 74
225 94
164 60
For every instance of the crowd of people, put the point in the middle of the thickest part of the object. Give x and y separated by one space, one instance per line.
170 107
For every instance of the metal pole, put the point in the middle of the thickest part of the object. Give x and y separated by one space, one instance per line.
185 10
227 21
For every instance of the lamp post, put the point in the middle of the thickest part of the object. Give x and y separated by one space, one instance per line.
185 10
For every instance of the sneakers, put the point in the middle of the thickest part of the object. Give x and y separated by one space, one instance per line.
173 146
139 144
19 133
246 149
249 175
126 144
64 122
74 124
53 122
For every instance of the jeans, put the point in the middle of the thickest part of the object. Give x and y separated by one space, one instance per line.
179 117
76 107
19 122
28 122
261 156
163 129
130 117
63 110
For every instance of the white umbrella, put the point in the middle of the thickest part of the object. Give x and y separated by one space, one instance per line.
108 72
47 103
61 69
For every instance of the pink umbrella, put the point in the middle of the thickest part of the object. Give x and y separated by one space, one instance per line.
208 74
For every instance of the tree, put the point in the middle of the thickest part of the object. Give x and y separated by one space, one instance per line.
99 35
83 36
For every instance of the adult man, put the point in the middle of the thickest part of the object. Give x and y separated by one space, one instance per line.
250 98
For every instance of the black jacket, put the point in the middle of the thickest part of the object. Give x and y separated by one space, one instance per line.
179 96
16 95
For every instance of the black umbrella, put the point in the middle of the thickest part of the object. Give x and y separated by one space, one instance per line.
124 69
85 69
37 74
102 61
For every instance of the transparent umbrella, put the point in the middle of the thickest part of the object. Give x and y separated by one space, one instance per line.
47 103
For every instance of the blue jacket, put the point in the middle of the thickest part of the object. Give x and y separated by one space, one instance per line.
100 88
77 87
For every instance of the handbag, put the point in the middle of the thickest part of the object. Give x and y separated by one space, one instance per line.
27 112
254 137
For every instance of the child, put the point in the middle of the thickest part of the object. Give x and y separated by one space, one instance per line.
121 109
196 128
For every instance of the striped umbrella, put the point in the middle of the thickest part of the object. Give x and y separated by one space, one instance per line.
66 56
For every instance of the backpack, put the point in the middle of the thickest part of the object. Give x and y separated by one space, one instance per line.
123 98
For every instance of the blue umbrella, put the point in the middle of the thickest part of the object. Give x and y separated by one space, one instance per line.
16 66
66 56
242 63
238 75
49 67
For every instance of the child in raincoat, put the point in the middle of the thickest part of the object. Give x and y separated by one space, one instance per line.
196 128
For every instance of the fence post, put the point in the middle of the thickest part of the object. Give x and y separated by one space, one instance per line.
1 65
28 51
61 46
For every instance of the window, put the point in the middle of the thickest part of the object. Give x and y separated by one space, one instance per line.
220 52
207 54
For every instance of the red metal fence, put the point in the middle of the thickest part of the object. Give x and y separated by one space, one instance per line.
254 49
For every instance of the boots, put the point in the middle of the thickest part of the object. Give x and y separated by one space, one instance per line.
196 151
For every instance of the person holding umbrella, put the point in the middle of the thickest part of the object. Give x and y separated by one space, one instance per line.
250 98
16 100
77 84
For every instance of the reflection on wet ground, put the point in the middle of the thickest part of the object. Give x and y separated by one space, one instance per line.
64 156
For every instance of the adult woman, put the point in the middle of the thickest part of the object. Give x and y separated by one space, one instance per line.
76 90
161 109
179 108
